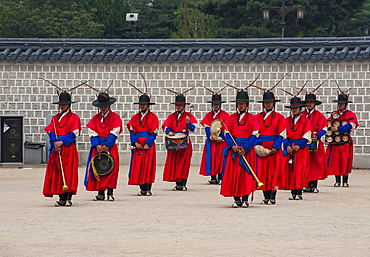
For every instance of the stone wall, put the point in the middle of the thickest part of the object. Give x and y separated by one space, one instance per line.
23 93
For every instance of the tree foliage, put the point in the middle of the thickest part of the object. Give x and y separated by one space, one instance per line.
180 18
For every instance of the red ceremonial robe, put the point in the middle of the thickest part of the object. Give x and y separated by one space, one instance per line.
212 158
103 129
318 168
177 165
143 164
270 167
340 157
236 181
296 173
53 183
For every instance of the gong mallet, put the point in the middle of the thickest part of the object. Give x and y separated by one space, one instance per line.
259 183
65 187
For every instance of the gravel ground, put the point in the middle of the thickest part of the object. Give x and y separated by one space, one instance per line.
199 222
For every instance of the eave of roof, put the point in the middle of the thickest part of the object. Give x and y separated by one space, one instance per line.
185 50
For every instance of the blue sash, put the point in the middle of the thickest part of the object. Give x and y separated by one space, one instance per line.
143 134
265 138
239 141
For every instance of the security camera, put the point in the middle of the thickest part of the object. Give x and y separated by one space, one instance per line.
132 16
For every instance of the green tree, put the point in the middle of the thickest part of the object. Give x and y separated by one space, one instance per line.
52 19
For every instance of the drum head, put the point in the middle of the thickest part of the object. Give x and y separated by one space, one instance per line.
216 127
103 164
177 135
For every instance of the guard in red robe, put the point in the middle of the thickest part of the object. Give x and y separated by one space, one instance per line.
318 168
340 150
212 158
177 165
295 148
272 132
104 129
63 130
242 127
143 128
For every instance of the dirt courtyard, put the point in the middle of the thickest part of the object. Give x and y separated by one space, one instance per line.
199 222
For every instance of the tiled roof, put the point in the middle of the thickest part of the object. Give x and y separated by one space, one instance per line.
185 50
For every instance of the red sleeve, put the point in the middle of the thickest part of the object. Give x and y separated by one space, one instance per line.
92 123
154 122
206 120
168 122
192 118
50 127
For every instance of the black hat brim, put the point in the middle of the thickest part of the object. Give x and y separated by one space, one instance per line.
111 101
277 100
180 103
316 102
292 106
342 102
237 101
64 102
144 103
218 102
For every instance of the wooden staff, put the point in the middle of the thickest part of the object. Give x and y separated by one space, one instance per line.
259 183
65 187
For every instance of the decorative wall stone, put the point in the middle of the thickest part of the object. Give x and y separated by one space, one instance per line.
22 92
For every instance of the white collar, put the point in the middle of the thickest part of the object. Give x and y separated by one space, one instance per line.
104 115
267 113
63 114
143 114
215 113
297 118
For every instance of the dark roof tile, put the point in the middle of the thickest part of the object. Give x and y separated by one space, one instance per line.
185 50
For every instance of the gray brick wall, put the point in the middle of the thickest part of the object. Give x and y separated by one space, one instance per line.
23 93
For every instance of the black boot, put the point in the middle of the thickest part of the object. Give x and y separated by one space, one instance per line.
100 196
273 197
245 203
143 190
219 178
110 194
184 188
148 189
314 186
294 194
213 180
337 181
345 181
266 196
69 199
237 202
62 200
299 194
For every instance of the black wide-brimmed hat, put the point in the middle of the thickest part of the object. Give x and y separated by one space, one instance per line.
242 96
311 97
180 99
342 98
295 102
269 96
216 99
144 99
65 98
103 100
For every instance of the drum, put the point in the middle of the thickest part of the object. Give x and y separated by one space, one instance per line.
178 142
312 147
329 139
102 164
335 115
215 129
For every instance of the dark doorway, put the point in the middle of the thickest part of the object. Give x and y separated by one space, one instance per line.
11 139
